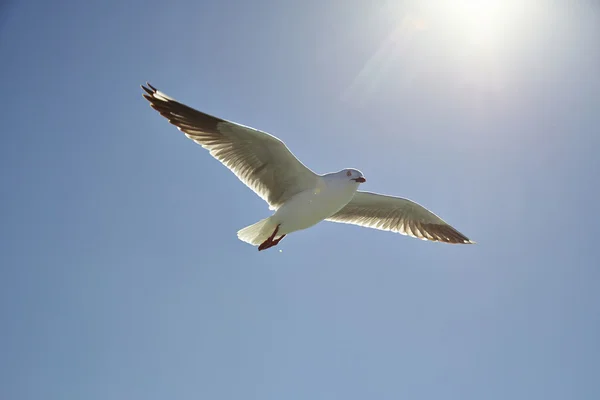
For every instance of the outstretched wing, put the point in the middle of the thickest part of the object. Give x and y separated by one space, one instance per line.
261 161
399 215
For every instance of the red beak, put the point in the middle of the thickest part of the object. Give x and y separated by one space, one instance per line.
360 180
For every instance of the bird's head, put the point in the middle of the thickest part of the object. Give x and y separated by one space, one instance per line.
353 175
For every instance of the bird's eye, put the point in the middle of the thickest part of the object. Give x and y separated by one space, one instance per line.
348 173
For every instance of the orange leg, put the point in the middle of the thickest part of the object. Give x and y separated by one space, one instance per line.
270 242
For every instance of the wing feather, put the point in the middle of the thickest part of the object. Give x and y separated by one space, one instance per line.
259 160
399 215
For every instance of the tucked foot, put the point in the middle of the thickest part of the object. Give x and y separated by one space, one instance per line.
276 242
270 242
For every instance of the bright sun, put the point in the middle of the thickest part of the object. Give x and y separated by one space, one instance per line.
465 41
483 22
481 18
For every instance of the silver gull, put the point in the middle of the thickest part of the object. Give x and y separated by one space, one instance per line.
300 197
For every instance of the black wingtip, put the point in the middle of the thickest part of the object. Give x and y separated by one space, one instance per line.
148 88
149 91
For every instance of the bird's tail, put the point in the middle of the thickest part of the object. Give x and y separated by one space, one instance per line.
257 233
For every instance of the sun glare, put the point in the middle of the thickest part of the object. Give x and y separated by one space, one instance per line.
482 22
464 41
481 19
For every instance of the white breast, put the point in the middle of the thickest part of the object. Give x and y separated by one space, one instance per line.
312 206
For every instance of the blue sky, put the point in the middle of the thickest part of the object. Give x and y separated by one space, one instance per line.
121 276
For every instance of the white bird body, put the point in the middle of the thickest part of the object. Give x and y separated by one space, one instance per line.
299 197
313 206
305 209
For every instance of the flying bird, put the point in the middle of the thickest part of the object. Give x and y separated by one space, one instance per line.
300 197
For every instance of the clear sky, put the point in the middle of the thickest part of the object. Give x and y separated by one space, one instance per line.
121 276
